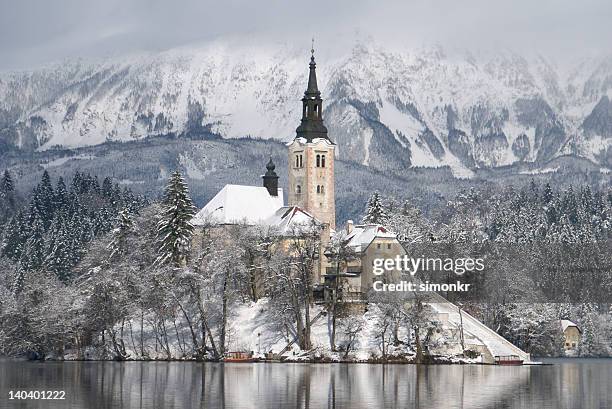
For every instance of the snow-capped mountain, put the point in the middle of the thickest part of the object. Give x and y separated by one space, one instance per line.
386 109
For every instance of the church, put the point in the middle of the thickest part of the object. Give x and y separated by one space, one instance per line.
311 178
310 196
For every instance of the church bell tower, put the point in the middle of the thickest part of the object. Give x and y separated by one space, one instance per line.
311 158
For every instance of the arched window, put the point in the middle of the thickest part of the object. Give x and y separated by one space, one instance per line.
297 161
318 189
318 161
322 189
298 189
301 162
322 161
316 110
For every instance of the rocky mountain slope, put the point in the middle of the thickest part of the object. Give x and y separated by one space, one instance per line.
386 109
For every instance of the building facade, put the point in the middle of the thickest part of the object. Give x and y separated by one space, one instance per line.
572 335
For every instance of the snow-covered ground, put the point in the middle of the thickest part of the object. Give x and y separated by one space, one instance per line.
251 328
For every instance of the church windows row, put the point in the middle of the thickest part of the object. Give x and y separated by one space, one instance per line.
320 189
299 161
320 161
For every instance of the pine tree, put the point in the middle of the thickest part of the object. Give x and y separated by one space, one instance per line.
375 212
44 200
125 224
548 193
7 186
14 237
19 281
175 229
61 195
59 260
34 252
107 187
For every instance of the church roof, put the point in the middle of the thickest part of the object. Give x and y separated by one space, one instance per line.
239 204
362 235
253 205
289 220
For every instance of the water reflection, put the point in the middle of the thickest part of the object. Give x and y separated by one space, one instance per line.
567 384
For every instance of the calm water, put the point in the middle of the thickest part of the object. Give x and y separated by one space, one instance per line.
566 384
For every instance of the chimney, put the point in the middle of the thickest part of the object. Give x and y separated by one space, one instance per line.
270 179
349 226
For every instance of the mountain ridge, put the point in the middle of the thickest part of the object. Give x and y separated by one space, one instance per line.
386 109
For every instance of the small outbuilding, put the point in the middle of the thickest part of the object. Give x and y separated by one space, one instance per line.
571 335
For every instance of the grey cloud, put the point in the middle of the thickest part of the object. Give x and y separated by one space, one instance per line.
35 32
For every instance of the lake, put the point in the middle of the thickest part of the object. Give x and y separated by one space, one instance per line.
568 383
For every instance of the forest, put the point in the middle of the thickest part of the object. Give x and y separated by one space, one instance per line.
91 270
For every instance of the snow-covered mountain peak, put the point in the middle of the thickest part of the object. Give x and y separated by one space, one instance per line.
385 107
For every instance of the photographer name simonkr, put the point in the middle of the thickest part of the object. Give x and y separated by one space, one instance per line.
421 287
410 265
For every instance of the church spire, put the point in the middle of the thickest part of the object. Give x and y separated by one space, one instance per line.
311 126
312 90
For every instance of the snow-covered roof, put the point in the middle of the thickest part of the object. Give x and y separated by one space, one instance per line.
565 324
362 235
314 141
291 219
239 204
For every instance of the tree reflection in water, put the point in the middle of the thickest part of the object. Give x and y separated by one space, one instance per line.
568 383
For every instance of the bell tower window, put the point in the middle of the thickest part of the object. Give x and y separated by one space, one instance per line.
298 189
322 161
318 161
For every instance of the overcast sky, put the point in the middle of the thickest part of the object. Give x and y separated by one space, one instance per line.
36 32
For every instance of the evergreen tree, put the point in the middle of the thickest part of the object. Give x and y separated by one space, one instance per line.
124 227
14 237
7 186
19 281
107 187
175 229
375 212
61 195
548 193
44 200
34 252
59 260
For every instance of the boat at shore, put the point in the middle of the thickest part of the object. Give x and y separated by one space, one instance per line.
239 356
508 360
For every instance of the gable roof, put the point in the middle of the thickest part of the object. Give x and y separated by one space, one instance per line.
239 204
291 219
565 324
362 235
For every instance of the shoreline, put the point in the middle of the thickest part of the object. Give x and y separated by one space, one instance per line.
439 361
